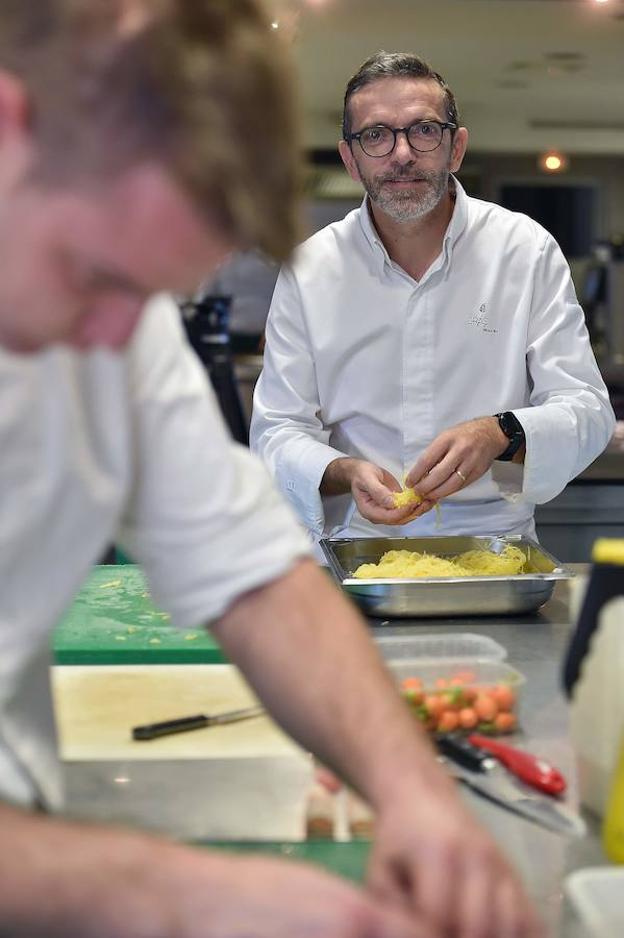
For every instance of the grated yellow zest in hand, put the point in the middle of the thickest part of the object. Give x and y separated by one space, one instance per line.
406 497
409 497
409 564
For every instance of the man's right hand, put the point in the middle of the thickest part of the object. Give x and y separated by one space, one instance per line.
97 882
274 898
372 489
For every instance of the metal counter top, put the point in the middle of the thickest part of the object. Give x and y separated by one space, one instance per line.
536 645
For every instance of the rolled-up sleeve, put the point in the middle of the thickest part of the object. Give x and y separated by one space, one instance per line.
286 428
203 517
570 420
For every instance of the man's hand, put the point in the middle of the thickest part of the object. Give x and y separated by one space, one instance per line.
457 457
372 488
271 898
431 856
92 881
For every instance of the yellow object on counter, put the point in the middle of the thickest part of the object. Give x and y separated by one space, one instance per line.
409 564
608 550
613 824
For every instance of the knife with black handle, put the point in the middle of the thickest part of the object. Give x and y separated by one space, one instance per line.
476 769
197 722
464 753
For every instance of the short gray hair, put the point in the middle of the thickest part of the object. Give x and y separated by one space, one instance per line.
395 65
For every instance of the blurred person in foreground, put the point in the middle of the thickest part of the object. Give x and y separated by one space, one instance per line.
140 143
428 337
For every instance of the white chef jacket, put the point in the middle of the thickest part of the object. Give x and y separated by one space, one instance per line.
362 360
128 447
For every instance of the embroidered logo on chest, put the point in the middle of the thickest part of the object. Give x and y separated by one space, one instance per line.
480 320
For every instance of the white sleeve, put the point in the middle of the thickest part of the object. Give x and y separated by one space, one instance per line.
286 427
570 420
203 518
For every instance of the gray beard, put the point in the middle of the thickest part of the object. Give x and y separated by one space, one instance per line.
408 206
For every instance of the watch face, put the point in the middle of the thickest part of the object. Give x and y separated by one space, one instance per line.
510 425
512 428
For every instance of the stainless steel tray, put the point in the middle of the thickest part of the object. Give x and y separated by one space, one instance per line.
444 596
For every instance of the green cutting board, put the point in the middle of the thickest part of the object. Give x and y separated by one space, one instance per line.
345 859
114 621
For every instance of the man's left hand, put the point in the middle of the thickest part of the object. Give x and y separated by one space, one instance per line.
457 457
431 857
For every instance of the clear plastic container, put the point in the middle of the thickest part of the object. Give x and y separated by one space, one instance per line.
432 645
596 895
462 684
484 671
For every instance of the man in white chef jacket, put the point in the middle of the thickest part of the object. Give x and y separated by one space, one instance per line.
428 337
136 151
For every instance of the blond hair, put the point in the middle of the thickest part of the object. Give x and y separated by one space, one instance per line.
202 85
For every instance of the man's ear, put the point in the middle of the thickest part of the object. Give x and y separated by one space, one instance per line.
14 105
458 148
347 158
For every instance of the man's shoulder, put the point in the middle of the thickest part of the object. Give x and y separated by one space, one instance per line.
160 322
498 221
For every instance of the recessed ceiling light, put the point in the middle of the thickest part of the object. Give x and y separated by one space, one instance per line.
553 162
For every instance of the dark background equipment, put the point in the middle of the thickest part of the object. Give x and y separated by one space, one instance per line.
206 320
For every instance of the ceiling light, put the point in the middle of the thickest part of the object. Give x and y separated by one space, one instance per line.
553 162
284 19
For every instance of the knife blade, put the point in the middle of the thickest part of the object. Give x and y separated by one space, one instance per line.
476 769
199 721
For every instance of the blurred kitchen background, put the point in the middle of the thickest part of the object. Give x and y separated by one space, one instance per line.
540 86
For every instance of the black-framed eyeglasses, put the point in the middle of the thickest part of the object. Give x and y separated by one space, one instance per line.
423 136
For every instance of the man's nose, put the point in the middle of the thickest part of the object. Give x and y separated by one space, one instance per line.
402 150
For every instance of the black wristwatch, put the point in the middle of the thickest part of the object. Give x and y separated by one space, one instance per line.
512 428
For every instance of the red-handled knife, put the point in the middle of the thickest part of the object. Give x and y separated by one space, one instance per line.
529 768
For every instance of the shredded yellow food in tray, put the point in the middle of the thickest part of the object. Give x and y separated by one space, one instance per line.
409 564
